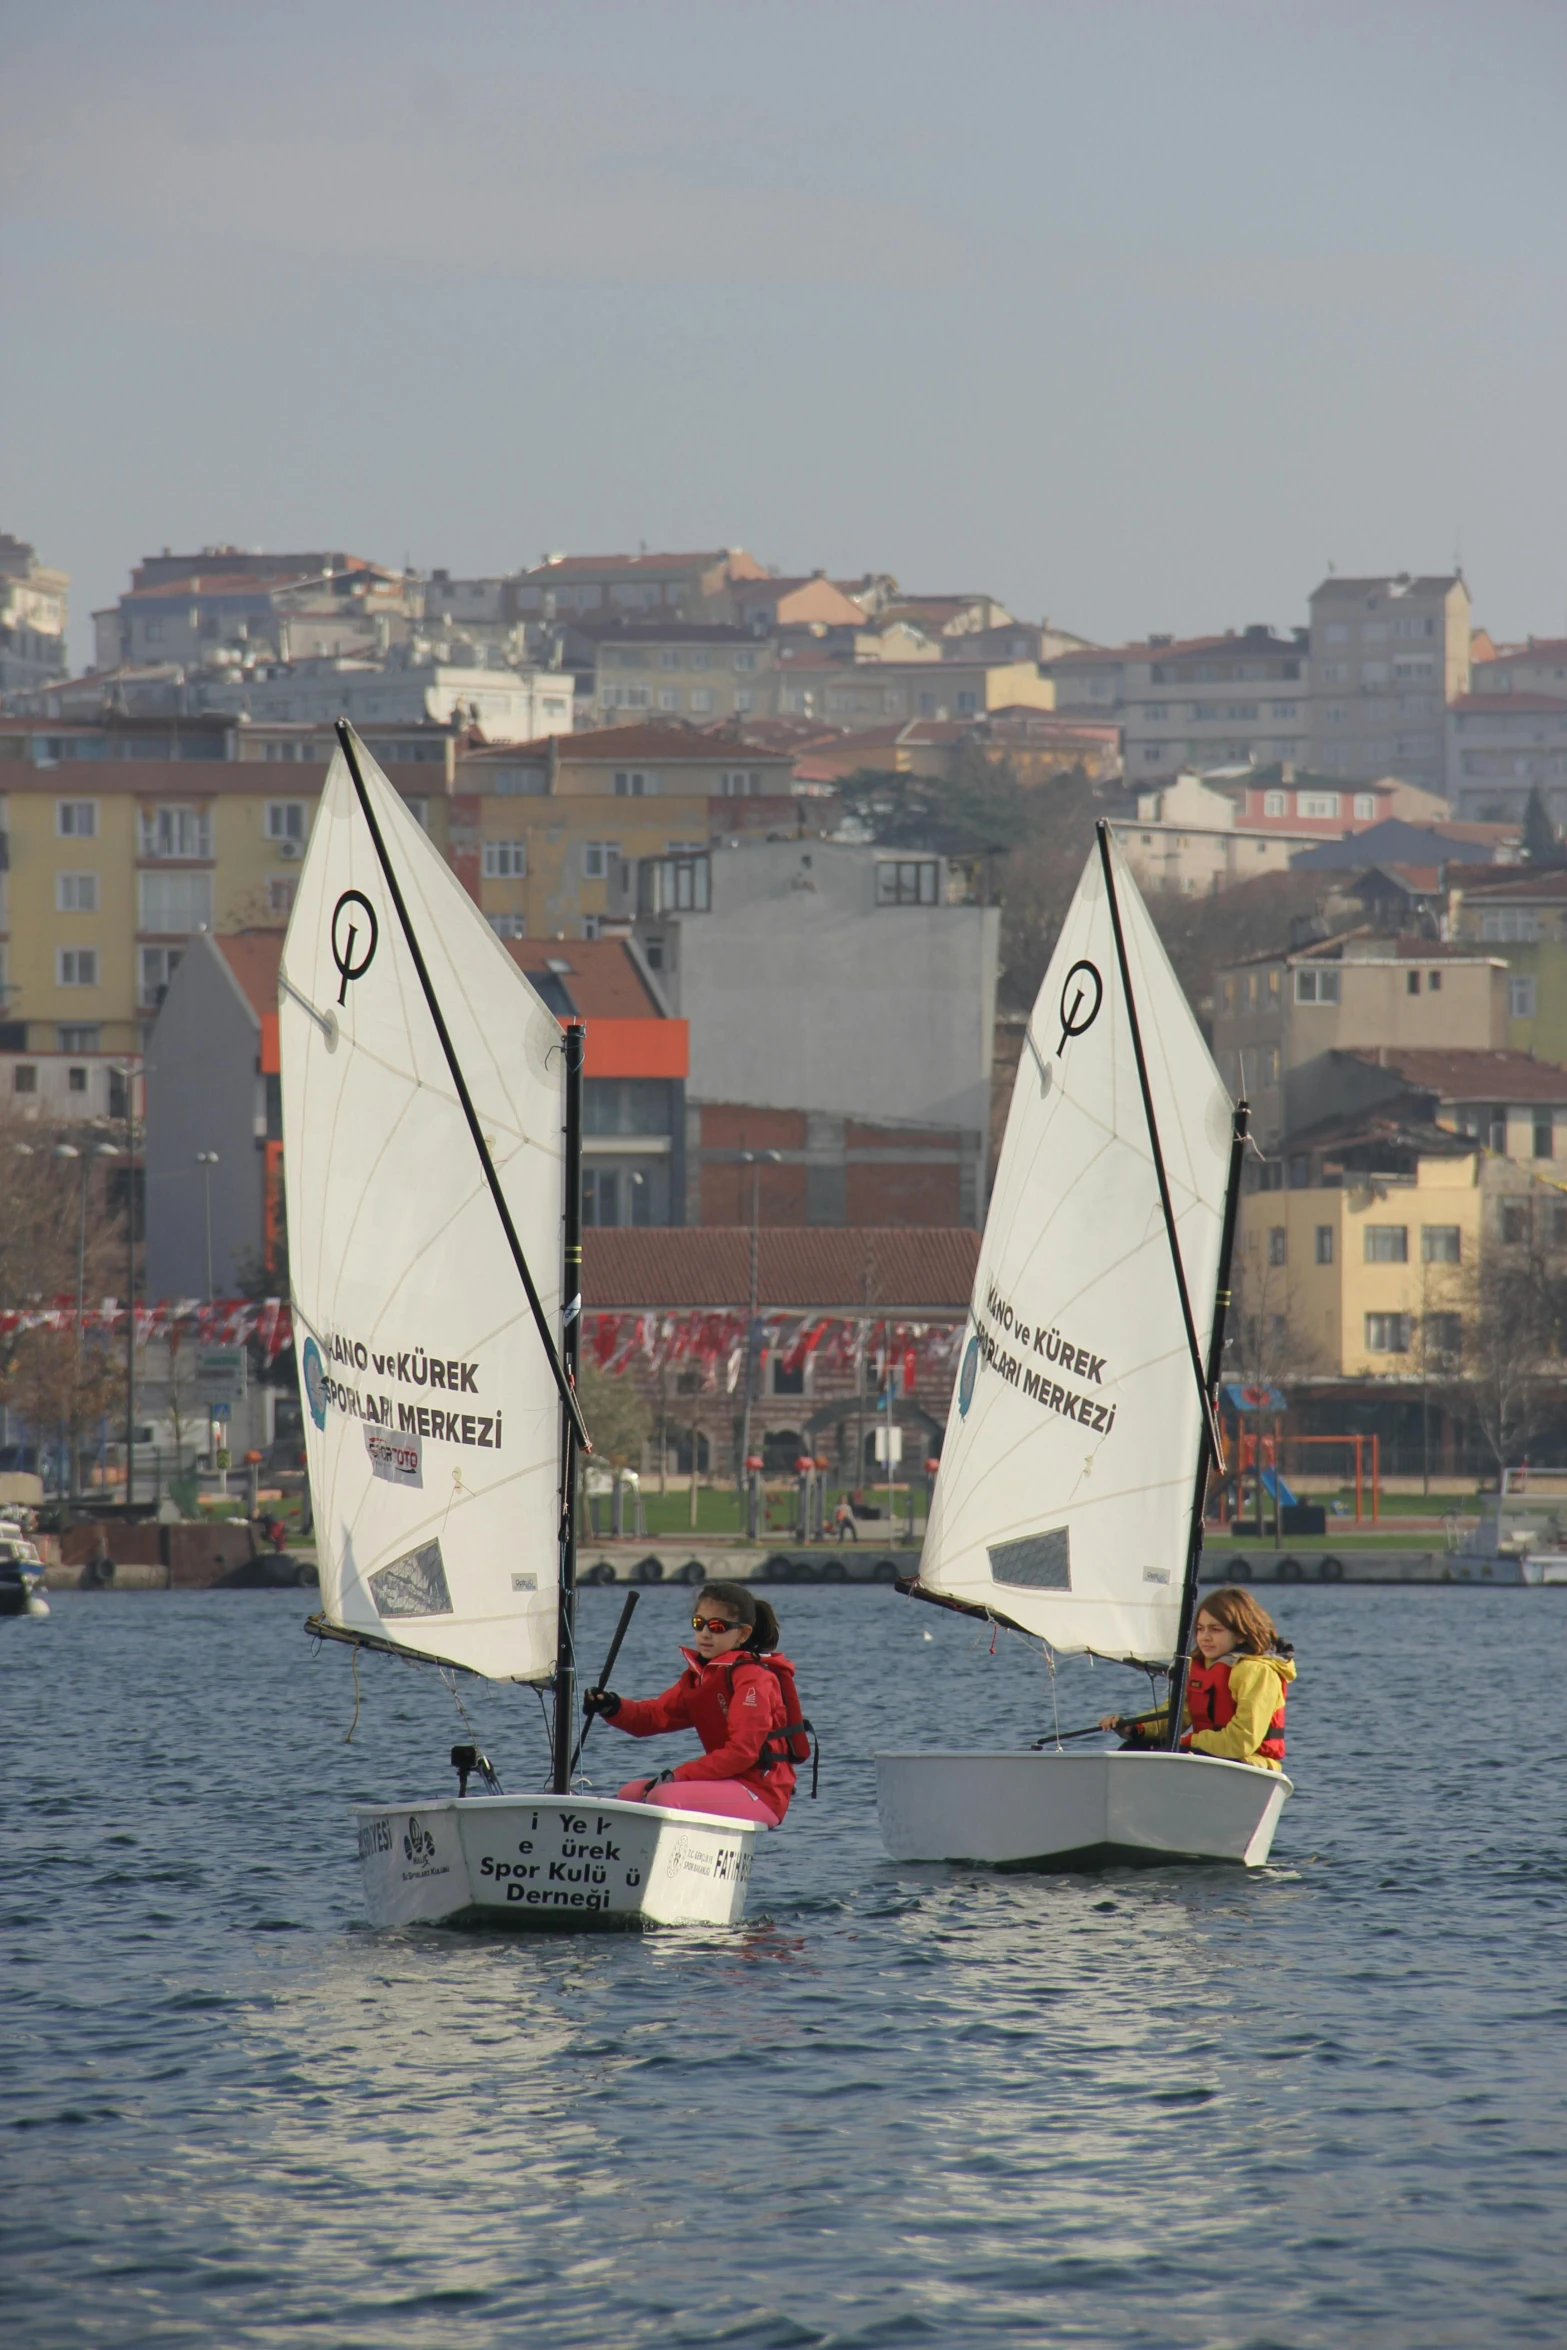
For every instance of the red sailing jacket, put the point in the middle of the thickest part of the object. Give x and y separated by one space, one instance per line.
1210 1703
732 1703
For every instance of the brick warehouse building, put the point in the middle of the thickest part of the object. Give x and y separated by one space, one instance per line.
841 1316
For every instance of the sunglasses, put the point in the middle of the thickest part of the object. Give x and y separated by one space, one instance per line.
713 1624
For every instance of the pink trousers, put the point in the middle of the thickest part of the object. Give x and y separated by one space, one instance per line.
731 1799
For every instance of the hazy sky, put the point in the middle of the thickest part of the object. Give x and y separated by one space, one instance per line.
1136 313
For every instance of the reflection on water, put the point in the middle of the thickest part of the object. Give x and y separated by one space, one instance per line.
1319 2105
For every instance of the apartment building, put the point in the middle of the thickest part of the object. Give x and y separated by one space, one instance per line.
1187 838
1504 745
707 672
1275 1012
1239 699
1389 655
190 608
675 587
853 984
1318 806
1523 922
34 608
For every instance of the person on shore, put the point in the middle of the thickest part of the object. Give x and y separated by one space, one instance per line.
843 1519
1235 1687
738 1695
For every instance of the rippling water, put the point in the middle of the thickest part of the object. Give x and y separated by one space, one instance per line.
1320 2105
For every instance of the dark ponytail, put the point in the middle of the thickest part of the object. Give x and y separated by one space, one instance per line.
747 1609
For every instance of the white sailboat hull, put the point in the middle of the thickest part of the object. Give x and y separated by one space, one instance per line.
551 1863
1052 1810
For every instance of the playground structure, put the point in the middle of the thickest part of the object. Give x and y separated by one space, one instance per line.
1258 1473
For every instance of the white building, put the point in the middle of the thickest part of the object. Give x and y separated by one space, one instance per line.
33 608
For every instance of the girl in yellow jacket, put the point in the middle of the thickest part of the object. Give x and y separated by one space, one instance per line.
1235 1687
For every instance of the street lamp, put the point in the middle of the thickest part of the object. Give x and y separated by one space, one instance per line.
755 1160
206 1161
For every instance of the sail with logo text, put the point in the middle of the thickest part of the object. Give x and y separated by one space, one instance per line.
432 1122
1081 1433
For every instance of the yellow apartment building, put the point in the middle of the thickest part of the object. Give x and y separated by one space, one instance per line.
1364 1276
111 865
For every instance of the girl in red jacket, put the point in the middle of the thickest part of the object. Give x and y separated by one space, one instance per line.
733 1698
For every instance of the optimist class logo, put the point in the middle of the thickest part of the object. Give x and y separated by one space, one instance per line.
968 1375
315 1382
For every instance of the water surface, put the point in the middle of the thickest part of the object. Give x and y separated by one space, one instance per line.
1321 2105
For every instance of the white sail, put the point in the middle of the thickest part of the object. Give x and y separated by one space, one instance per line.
431 1413
1064 1496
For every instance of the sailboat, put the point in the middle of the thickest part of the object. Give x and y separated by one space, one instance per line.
1069 1503
432 1138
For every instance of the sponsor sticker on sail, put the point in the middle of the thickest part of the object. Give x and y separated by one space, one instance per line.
399 1459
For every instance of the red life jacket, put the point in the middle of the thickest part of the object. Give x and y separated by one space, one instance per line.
792 1741
1212 1707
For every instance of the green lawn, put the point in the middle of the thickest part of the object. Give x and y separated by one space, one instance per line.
668 1515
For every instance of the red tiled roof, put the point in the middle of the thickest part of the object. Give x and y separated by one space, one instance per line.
1547 885
623 744
680 1268
216 583
1466 1076
253 956
601 975
1499 705
703 558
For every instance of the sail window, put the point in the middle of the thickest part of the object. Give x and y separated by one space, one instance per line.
414 1585
1038 1562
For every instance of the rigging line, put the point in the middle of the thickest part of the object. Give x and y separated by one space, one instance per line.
345 736
1210 1416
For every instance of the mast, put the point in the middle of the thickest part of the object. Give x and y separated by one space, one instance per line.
570 1348
1205 1451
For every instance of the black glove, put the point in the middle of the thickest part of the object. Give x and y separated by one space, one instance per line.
657 1781
600 1701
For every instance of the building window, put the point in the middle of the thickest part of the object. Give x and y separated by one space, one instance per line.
669 697
674 885
745 661
906 882
701 698
1276 1244
76 1080
745 700
1544 1135
1433 983
286 820
634 783
1387 1334
597 856
158 966
507 925
739 783
76 1038
1275 803
1515 1224
1365 806
174 832
1520 996
282 888
505 860
76 819
967 702
174 904
76 893
25 1077
1317 803
1316 986
1440 1244
1324 1251
76 966
699 658
1387 1244
1444 1335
